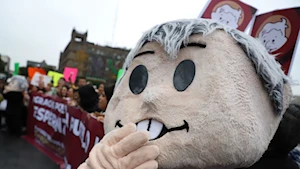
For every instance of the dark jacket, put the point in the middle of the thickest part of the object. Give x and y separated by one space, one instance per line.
89 99
286 138
14 112
14 102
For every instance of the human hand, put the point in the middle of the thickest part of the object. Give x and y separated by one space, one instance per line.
123 148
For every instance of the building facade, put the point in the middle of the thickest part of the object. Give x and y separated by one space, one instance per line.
93 61
42 64
5 60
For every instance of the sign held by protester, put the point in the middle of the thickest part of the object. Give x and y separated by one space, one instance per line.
70 74
32 70
17 68
233 13
55 77
39 79
278 31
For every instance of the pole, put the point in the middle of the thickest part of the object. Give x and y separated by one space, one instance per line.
115 23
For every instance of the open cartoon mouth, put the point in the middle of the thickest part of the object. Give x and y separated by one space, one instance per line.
155 128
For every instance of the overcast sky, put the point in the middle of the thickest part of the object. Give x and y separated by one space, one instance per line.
40 29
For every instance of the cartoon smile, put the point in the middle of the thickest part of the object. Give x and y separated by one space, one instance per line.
155 128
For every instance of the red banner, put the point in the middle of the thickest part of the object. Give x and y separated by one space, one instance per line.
278 31
233 13
66 132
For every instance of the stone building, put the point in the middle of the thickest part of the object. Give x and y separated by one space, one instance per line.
42 64
93 61
5 60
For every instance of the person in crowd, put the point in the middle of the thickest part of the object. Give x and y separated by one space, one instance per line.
76 98
2 84
34 89
105 96
88 99
104 99
64 92
41 90
81 82
61 83
29 83
71 101
48 90
13 93
28 79
101 88
3 104
70 93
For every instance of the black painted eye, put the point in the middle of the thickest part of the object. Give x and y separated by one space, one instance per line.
184 75
138 79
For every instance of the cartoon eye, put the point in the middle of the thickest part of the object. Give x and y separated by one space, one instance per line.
220 18
138 79
264 41
184 75
273 40
227 22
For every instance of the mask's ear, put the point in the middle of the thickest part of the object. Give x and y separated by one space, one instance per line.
24 86
287 96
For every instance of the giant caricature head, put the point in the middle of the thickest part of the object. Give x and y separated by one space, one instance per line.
210 96
16 84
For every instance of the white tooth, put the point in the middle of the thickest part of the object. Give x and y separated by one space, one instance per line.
143 125
155 129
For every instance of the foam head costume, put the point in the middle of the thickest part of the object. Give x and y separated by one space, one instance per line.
210 96
17 84
13 93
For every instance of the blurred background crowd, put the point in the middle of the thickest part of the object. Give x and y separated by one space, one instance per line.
83 95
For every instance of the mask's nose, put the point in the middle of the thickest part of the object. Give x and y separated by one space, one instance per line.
154 96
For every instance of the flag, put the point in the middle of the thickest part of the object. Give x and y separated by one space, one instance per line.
278 31
233 13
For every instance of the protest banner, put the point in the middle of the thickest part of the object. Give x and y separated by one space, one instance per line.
233 13
83 133
65 133
278 31
47 122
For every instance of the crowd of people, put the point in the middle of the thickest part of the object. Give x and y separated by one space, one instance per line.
83 95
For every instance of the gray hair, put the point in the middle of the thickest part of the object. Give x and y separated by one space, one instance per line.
172 35
22 82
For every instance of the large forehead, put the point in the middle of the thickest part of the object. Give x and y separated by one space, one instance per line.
218 41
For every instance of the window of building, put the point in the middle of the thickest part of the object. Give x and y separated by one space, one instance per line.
77 39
